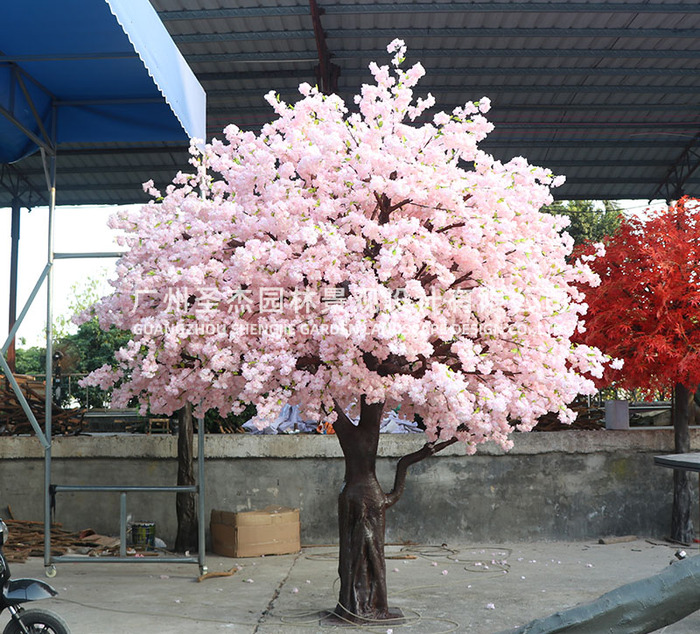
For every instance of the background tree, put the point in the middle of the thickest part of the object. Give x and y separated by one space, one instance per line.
79 349
83 295
646 312
591 220
348 263
89 348
30 360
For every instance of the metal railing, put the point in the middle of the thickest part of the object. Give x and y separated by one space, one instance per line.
72 387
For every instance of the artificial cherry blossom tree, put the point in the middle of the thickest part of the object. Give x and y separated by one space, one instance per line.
645 312
349 260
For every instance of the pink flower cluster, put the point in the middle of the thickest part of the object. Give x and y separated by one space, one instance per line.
363 200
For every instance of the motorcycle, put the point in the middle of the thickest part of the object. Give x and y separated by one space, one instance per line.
15 592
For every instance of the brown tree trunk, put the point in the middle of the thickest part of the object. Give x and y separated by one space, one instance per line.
681 522
186 538
361 515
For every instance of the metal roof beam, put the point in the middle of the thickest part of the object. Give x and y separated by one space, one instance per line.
430 7
125 188
572 162
151 168
511 107
485 32
517 32
470 71
19 187
562 126
285 57
108 152
244 36
522 143
616 53
635 180
519 53
673 185
567 88
613 107
466 71
511 7
77 57
241 12
258 75
500 88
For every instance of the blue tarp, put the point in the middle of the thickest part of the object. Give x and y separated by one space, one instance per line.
102 71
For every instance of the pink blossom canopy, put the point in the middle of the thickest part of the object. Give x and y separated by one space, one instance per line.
343 251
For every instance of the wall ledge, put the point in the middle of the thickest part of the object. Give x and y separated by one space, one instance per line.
225 446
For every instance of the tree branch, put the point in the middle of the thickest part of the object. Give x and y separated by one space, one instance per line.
404 463
460 280
405 201
453 226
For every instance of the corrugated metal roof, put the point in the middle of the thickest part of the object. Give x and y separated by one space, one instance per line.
605 92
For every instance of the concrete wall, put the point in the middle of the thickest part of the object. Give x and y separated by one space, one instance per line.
556 485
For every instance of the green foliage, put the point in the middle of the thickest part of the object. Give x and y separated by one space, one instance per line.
30 360
88 349
590 219
84 295
77 350
215 423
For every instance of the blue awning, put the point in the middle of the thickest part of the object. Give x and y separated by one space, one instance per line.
92 72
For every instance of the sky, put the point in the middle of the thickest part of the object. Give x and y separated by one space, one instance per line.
77 229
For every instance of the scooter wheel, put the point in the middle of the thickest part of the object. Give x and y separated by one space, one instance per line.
37 621
50 571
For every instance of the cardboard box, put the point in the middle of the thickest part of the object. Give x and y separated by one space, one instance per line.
273 530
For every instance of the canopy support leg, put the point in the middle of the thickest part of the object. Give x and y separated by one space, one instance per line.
14 255
50 172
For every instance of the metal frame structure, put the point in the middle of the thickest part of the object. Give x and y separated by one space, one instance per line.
198 488
42 133
48 152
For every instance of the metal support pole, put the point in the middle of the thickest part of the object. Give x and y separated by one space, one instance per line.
25 310
96 254
23 402
122 524
50 170
14 255
200 493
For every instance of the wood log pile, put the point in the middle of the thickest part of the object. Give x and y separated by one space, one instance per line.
13 420
27 540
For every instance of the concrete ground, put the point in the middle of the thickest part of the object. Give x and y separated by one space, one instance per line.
481 588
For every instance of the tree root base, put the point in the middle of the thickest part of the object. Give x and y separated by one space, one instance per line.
394 617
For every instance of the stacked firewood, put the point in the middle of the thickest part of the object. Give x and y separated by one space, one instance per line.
14 421
27 540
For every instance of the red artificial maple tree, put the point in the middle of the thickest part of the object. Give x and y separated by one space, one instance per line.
646 311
